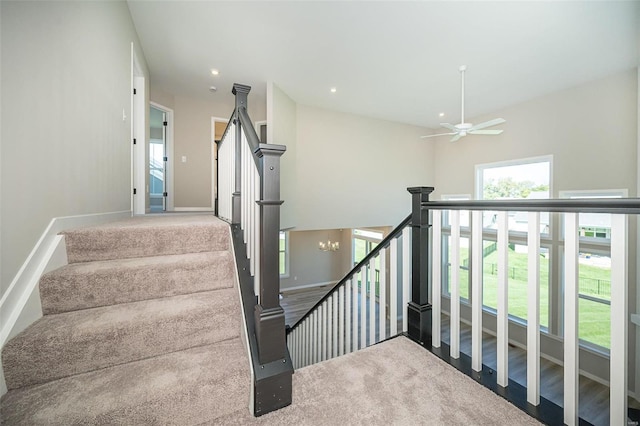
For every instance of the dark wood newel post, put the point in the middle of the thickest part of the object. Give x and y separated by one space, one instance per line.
419 309
241 92
269 315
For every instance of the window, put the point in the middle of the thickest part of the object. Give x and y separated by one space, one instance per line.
528 178
284 254
594 270
364 241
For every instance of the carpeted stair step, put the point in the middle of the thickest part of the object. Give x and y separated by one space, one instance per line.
102 283
76 342
147 236
182 388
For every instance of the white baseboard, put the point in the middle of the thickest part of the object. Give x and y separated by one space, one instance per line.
301 287
192 209
20 305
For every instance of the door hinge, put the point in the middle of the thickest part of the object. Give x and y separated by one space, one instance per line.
134 92
134 191
134 141
165 158
164 194
164 123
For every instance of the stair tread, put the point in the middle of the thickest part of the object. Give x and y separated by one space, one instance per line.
147 236
105 282
79 341
185 387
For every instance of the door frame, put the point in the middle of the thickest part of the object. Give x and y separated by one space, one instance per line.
214 160
138 133
169 164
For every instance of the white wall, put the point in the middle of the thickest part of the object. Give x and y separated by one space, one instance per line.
591 130
353 171
281 130
66 149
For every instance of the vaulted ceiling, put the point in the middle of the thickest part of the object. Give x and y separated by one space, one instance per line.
392 60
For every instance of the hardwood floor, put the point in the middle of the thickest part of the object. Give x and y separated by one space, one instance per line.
296 303
594 397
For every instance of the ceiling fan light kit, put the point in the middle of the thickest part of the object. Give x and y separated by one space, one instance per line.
463 129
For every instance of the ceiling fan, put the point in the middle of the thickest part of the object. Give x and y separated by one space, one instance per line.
464 129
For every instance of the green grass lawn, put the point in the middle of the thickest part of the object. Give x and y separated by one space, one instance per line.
594 317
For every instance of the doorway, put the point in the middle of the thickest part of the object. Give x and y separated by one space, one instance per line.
157 160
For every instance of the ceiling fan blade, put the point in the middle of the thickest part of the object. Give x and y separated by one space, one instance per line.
485 132
439 134
489 123
456 137
449 126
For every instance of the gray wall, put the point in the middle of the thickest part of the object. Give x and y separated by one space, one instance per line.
66 150
193 138
308 265
344 170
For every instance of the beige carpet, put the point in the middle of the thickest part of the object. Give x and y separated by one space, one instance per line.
394 383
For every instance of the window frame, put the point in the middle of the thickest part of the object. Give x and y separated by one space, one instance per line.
286 253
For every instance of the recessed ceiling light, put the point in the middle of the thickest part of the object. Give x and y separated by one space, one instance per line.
441 114
213 88
214 71
333 90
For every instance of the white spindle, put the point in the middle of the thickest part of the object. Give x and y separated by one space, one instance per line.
334 332
454 287
406 275
619 320
436 279
533 312
363 307
476 290
347 317
341 320
325 317
318 331
393 288
330 326
571 362
256 227
354 311
372 301
502 356
382 297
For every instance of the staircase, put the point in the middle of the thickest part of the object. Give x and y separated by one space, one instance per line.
141 327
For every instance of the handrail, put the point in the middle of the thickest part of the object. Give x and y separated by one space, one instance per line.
591 205
383 244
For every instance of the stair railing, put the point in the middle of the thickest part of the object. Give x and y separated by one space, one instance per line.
360 310
249 198
529 398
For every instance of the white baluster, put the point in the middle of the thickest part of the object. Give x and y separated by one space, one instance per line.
372 301
393 287
571 361
454 286
406 275
341 320
317 331
354 310
503 297
334 333
323 344
363 307
533 311
619 320
347 317
476 290
382 297
329 347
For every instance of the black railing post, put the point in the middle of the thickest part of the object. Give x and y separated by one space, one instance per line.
269 315
419 309
241 92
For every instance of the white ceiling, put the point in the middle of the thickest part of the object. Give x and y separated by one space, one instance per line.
388 59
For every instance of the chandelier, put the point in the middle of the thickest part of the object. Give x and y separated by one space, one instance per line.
329 246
